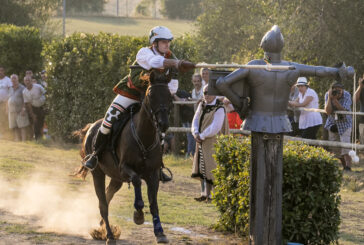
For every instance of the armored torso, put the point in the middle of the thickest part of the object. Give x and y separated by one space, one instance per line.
269 93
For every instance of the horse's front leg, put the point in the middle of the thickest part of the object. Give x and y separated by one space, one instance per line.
153 185
138 199
99 184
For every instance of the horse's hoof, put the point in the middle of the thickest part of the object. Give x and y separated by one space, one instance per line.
161 238
139 217
110 242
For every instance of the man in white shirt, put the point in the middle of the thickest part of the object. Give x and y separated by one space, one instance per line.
205 76
5 85
34 100
209 121
130 89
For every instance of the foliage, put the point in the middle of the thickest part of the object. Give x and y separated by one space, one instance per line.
28 12
85 6
316 32
83 69
311 183
20 49
187 9
145 7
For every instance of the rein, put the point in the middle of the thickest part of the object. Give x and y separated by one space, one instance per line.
151 116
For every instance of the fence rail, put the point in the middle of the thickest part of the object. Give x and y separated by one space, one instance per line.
192 102
324 143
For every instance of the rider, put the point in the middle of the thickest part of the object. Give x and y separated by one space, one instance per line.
130 89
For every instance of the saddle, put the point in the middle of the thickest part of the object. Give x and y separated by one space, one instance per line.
118 127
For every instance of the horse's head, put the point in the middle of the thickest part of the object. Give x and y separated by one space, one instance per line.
159 99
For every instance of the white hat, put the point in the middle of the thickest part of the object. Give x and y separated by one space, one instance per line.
160 33
302 81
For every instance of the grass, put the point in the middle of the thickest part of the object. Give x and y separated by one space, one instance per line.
122 25
176 204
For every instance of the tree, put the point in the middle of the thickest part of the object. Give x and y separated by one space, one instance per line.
320 32
85 6
26 12
177 9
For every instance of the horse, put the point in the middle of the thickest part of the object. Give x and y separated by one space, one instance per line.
139 154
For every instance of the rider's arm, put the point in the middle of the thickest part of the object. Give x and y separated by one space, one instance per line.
148 60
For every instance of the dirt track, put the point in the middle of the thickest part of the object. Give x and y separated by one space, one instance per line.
21 230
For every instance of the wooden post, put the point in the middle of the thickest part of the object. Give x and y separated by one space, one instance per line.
266 189
177 123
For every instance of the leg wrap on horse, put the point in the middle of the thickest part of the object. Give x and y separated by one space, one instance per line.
157 225
138 201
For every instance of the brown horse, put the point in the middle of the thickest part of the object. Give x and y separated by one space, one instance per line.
140 156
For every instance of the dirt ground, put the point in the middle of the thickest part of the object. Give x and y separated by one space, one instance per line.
22 230
41 204
48 208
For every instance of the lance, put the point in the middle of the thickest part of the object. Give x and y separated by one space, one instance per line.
235 66
267 67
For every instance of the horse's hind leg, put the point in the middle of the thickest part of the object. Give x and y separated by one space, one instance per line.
99 184
153 185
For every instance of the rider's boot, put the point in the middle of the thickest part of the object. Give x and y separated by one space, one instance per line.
99 147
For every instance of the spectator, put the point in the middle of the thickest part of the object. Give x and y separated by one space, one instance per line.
339 125
43 79
309 121
18 117
29 73
233 117
205 76
5 85
34 100
186 115
293 115
359 96
197 93
209 120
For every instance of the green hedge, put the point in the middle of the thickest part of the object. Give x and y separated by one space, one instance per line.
20 49
83 69
311 183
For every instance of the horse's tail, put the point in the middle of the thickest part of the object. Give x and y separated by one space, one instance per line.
81 134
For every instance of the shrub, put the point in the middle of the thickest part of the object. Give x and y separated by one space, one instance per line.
311 183
83 69
20 49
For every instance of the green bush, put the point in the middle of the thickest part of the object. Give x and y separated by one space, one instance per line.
311 183
20 49
82 71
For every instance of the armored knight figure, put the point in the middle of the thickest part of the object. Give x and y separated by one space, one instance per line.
267 120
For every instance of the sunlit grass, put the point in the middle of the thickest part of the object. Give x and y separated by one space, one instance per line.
122 25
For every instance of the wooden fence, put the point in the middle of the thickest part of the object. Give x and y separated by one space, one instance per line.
324 143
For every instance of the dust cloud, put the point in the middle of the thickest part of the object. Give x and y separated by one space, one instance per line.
53 207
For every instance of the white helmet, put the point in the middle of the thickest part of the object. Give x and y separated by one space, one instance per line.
160 33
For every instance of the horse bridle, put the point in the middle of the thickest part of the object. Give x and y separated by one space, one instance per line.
152 117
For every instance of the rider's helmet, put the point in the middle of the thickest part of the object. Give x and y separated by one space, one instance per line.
160 33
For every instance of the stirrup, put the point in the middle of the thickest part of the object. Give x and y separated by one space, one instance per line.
163 177
88 157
